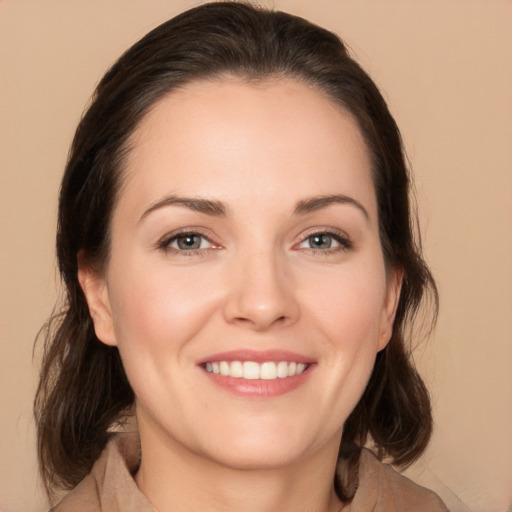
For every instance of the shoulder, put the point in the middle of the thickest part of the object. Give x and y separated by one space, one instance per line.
382 489
83 498
110 486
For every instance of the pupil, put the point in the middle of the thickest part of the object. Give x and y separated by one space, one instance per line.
188 242
321 241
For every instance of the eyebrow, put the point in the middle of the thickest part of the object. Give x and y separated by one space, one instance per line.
312 204
206 206
218 209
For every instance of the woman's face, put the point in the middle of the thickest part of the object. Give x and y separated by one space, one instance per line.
246 287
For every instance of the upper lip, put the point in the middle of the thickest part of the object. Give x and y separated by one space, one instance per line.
258 356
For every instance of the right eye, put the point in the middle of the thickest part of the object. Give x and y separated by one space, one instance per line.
188 242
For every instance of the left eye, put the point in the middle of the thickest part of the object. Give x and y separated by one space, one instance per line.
188 242
323 242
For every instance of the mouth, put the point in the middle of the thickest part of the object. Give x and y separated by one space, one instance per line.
253 370
258 374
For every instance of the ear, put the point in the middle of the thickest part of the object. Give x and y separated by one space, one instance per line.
95 289
394 286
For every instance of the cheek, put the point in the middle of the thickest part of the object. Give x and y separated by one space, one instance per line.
157 317
155 308
348 305
349 319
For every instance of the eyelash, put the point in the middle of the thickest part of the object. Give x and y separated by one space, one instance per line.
164 243
345 244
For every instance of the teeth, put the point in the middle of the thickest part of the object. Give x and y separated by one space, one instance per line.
251 370
282 369
268 371
224 368
236 369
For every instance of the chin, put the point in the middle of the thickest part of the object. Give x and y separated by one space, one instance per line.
248 456
266 445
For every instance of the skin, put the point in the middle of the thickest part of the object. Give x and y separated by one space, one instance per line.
256 283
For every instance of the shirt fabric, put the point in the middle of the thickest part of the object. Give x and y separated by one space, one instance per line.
110 486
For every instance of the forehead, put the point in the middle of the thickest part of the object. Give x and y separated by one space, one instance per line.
238 140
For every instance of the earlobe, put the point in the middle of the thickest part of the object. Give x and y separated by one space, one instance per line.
94 286
394 288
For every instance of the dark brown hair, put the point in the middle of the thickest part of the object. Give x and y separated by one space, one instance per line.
83 388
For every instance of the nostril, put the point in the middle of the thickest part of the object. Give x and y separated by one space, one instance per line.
260 322
260 302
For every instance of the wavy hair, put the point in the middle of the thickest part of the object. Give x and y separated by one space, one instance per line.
83 388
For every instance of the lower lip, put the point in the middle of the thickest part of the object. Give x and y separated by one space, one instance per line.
260 388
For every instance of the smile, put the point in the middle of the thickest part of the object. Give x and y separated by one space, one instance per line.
252 370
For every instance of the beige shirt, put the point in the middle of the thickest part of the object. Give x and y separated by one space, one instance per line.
110 486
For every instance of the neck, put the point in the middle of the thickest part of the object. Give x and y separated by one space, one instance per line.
178 480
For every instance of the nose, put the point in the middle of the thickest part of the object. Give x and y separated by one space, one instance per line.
260 293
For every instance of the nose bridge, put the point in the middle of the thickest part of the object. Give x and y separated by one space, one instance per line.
260 290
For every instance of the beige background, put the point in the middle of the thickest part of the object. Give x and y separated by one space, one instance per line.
446 68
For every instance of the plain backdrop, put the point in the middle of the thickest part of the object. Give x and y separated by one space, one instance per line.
445 67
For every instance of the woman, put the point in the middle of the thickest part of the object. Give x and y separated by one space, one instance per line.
237 245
